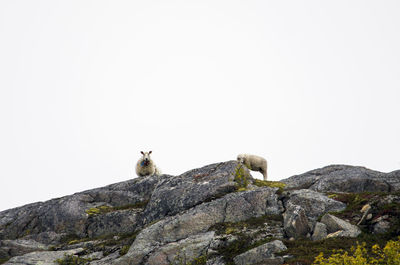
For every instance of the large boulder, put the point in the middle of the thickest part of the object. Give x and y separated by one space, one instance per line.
342 178
295 221
314 203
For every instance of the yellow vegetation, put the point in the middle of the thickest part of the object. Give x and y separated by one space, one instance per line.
389 255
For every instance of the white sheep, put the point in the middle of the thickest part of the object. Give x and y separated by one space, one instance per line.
145 166
253 162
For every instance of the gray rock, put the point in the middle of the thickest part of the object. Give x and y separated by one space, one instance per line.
341 233
175 194
42 257
106 260
393 178
334 224
181 252
20 247
295 221
320 232
381 227
231 208
264 254
94 256
314 203
342 178
67 215
216 261
118 222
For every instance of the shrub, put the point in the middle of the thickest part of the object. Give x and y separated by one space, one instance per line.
389 255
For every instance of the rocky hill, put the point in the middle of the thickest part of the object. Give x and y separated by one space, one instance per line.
217 214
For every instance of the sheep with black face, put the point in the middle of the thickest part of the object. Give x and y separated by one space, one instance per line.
145 166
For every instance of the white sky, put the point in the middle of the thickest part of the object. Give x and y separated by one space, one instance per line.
86 85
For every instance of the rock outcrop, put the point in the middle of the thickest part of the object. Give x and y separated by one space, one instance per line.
342 178
216 214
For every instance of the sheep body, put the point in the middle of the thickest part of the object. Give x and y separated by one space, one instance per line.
145 166
253 162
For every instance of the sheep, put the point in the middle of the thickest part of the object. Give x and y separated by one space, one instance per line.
253 162
145 166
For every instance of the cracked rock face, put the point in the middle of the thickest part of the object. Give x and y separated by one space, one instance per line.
67 215
233 207
175 194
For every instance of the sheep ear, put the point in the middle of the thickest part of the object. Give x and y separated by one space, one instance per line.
150 152
142 152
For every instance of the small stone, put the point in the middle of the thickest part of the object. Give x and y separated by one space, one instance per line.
369 216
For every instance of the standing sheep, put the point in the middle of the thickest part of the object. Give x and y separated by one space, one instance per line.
253 162
145 166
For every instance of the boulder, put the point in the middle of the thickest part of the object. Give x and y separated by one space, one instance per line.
320 231
314 203
295 221
335 224
264 254
381 227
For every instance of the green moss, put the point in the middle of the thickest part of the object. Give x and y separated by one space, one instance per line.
72 260
254 222
124 250
182 260
241 178
106 209
68 238
97 210
75 241
272 184
3 260
202 260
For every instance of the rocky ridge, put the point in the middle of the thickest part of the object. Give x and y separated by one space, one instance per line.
217 214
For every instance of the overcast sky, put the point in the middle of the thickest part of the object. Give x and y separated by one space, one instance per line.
86 85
